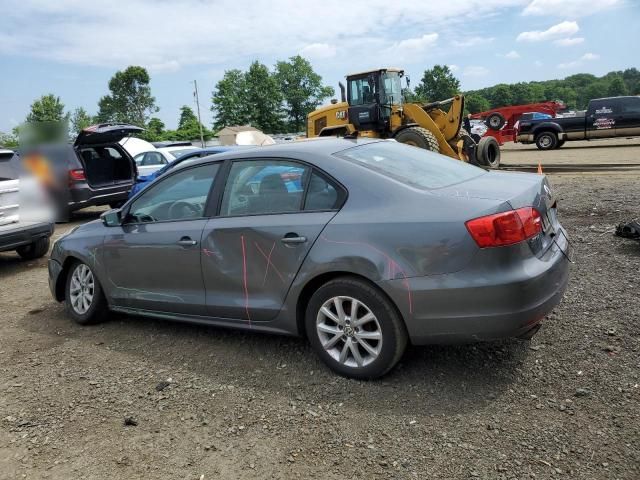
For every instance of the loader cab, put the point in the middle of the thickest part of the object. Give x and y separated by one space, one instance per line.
373 97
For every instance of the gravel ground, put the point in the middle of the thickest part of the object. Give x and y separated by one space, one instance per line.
137 398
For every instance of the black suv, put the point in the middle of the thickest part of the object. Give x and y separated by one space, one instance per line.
95 170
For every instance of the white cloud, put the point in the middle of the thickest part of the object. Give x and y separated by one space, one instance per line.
472 41
512 55
418 44
569 42
454 68
561 30
475 71
538 63
408 50
229 33
576 63
318 50
568 8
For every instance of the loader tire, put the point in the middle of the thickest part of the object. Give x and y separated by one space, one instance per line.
418 137
488 152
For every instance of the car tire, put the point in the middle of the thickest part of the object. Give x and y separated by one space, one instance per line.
34 250
560 143
89 305
495 121
488 152
336 337
546 140
418 137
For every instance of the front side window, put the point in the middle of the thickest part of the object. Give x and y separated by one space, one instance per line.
263 187
182 196
392 88
362 91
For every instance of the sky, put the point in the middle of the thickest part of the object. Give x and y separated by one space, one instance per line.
71 48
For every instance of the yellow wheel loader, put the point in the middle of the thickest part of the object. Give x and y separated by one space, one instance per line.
372 106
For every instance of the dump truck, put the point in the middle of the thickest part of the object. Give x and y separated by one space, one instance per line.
372 105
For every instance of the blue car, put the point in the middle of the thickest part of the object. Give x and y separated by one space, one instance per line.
144 181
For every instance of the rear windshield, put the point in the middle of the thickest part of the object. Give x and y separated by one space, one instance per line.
413 166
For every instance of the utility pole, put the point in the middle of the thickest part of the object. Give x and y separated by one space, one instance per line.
195 94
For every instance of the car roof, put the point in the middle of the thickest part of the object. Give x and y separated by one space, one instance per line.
299 149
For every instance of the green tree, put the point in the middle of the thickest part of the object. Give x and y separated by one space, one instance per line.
501 96
437 83
475 103
189 127
8 141
264 99
47 108
155 131
80 120
617 87
301 89
229 100
130 99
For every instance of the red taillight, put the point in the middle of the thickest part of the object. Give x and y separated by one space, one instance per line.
505 228
77 175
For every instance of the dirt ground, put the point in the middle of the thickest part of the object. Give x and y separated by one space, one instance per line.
211 403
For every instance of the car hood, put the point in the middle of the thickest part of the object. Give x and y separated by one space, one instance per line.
105 133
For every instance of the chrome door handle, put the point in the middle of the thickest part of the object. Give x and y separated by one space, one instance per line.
293 240
187 242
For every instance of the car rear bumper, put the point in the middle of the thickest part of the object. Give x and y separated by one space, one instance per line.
82 196
476 304
16 235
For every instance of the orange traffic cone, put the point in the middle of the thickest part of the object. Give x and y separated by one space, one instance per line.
539 168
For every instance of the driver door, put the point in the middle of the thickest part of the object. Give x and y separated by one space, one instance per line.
153 259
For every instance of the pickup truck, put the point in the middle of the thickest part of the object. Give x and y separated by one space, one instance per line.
29 236
604 118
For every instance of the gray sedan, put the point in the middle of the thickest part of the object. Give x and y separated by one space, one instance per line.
361 246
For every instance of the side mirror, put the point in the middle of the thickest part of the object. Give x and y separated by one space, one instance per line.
112 218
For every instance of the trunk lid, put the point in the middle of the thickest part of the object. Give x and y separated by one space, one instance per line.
517 190
105 133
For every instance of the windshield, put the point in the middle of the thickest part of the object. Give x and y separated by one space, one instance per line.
392 88
412 166
180 151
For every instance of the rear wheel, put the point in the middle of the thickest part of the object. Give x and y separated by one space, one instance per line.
84 299
546 140
418 137
489 152
355 329
34 250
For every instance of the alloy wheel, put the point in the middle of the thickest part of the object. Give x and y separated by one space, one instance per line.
349 331
81 289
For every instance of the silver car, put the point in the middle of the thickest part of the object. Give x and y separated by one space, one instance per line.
361 246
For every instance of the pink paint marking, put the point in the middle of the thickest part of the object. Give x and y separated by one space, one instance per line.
393 266
244 278
269 262
208 253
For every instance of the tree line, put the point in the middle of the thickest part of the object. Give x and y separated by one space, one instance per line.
278 100
575 91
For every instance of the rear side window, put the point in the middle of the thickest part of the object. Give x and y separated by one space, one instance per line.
412 166
321 194
8 166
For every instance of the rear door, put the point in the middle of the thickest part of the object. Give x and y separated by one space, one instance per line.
601 118
628 120
271 213
153 259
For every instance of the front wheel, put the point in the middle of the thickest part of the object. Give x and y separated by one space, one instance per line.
355 329
84 299
546 140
